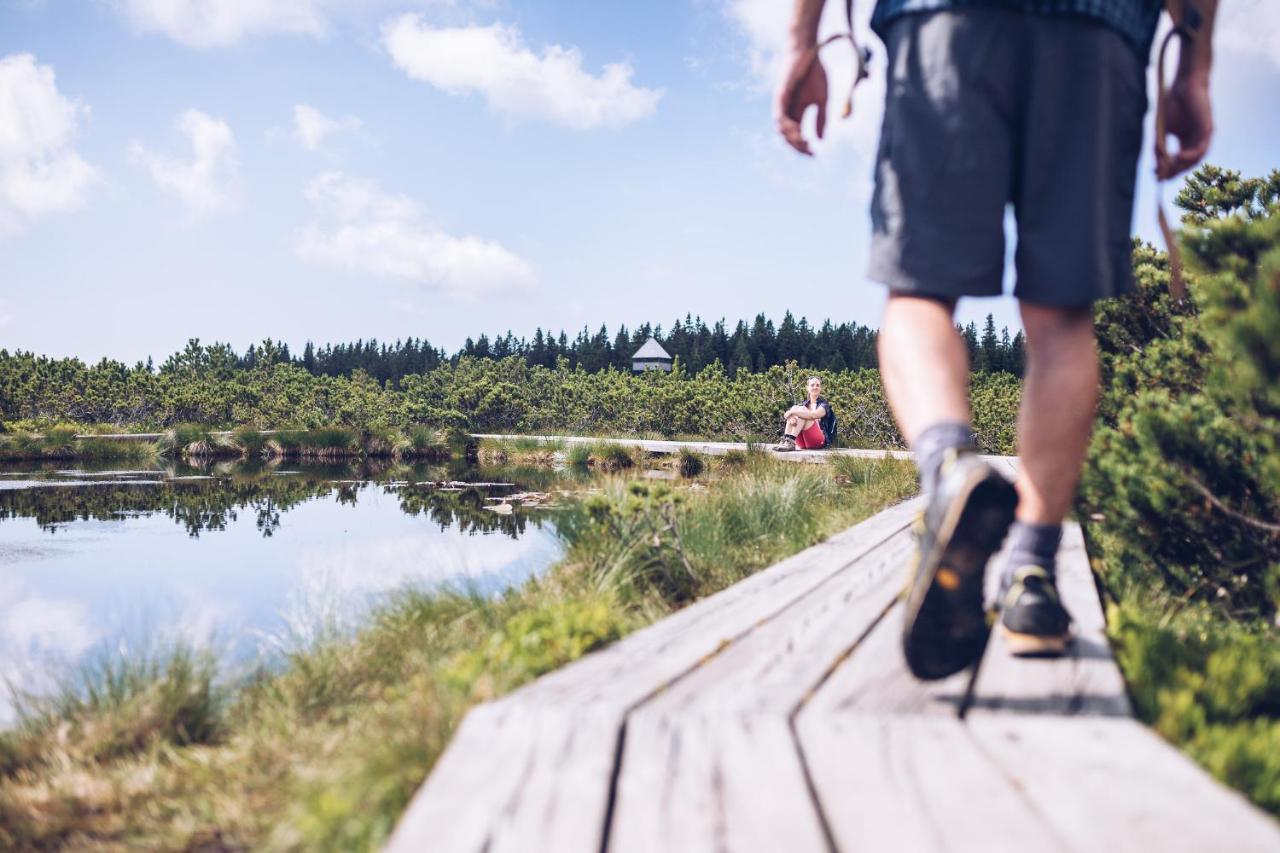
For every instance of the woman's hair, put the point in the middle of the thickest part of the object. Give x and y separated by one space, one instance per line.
818 379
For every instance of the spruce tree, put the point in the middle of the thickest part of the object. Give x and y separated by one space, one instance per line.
1185 467
989 347
970 335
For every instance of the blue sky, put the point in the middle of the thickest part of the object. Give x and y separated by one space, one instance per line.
336 169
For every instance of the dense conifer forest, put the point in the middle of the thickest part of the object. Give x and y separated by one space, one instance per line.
754 347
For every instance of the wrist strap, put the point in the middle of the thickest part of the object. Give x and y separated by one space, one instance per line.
861 57
1177 288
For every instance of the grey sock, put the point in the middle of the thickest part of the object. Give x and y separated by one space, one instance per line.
1031 545
931 447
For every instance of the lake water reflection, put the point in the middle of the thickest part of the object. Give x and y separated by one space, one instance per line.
243 559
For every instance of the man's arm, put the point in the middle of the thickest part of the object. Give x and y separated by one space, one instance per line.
806 82
804 24
1188 113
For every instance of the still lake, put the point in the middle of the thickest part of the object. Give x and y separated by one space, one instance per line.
247 560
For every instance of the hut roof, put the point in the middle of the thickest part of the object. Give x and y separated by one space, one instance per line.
652 349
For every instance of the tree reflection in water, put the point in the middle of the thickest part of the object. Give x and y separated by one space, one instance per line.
215 495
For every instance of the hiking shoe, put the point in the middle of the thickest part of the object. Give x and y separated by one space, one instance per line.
961 527
786 444
1034 622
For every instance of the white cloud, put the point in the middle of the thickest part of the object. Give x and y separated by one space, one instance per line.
218 23
363 229
40 171
354 572
210 181
310 126
765 24
58 625
494 62
335 586
37 635
5 317
1250 26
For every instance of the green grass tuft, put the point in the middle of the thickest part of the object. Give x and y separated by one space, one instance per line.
578 455
611 457
197 442
251 441
427 444
118 705
324 443
690 464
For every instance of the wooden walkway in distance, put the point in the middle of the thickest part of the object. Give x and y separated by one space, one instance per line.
710 448
777 715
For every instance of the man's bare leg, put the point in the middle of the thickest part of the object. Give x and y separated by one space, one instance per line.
793 427
1059 393
925 367
924 364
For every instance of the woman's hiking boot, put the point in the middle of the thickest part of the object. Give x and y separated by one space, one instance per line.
1034 622
962 525
785 444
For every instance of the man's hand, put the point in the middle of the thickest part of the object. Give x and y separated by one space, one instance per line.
1185 104
805 86
1189 117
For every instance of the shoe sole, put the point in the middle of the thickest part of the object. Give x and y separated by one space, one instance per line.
973 530
1035 645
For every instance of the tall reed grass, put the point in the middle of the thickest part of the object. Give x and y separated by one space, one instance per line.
59 443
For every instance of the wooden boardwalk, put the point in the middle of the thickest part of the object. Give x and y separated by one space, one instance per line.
710 448
777 715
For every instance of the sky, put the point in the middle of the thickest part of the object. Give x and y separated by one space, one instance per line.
329 170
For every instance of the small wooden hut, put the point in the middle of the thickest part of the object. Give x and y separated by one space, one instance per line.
651 356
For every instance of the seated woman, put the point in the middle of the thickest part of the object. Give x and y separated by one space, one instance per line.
807 424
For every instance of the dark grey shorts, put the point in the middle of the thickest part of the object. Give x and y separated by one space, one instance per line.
987 107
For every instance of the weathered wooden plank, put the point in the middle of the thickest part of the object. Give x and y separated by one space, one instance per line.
711 448
653 658
1006 464
1084 681
875 680
717 743
774 668
914 783
153 436
514 773
1111 784
577 712
717 782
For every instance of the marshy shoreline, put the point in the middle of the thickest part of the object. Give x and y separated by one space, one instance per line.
195 442
199 445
